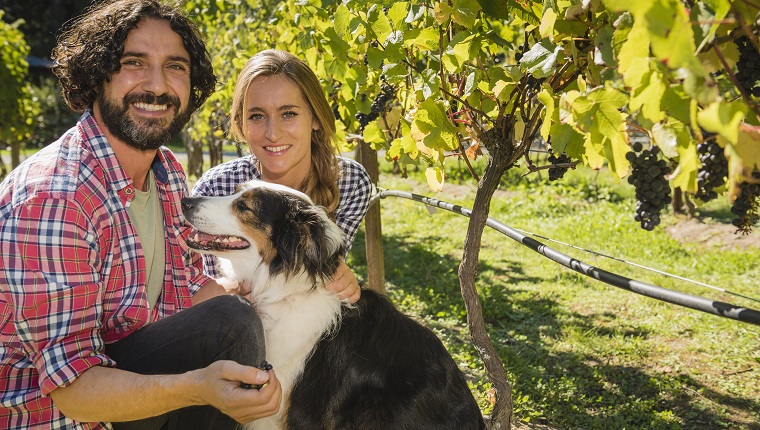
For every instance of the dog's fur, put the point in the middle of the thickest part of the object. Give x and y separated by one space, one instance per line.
365 366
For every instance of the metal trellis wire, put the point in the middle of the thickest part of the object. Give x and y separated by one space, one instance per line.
714 307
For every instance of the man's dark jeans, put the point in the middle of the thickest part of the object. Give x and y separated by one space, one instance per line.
222 328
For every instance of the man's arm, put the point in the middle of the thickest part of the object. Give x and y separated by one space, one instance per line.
105 394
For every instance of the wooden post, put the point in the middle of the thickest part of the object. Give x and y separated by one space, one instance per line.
372 225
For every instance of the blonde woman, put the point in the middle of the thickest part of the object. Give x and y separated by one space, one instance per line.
280 111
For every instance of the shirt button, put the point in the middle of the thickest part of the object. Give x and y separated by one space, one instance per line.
128 191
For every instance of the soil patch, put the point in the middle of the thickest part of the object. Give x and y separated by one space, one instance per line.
712 233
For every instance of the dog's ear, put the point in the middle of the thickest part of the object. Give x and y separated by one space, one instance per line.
307 240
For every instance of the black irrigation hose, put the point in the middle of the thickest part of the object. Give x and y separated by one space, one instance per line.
675 297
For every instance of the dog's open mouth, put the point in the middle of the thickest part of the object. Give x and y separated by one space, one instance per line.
210 242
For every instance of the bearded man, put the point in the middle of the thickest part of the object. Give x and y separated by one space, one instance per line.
104 315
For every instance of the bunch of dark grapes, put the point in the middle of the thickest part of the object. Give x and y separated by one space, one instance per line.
746 207
748 66
379 105
652 189
713 170
557 172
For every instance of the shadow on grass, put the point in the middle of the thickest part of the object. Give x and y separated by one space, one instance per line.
565 389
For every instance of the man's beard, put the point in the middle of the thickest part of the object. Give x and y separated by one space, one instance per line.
144 134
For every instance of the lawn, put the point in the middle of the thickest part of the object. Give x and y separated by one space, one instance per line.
582 354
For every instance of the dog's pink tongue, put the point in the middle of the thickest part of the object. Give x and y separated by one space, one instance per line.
219 242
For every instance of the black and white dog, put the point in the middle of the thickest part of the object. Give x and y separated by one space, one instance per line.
359 367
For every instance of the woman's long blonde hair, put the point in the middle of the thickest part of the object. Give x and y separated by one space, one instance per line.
321 183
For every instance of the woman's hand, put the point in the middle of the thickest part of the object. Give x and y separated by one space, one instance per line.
344 284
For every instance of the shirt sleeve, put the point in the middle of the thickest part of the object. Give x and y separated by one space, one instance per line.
55 288
356 190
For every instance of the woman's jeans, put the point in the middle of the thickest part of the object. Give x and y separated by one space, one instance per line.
221 328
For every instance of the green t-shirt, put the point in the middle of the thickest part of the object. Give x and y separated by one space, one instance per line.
148 218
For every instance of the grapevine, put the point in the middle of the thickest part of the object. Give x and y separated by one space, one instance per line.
713 169
746 207
652 189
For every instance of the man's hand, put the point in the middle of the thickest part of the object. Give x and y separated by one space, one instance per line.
344 284
221 389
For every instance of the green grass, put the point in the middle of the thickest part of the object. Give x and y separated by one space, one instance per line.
580 354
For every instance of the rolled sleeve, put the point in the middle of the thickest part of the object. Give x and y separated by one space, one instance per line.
355 191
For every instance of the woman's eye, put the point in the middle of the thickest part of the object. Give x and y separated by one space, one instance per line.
289 114
256 117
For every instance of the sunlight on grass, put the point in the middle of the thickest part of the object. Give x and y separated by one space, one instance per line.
580 353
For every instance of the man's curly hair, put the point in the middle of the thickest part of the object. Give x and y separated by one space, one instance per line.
90 50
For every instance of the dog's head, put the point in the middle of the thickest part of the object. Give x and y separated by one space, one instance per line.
290 234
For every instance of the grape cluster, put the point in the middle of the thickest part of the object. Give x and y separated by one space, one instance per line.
748 66
557 172
379 105
652 189
713 170
746 207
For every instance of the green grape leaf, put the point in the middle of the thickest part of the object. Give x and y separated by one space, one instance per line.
567 139
541 59
550 114
635 49
465 12
373 134
599 114
685 175
341 20
523 11
430 83
434 176
434 126
379 24
592 152
604 53
723 118
647 97
744 157
397 13
547 23
424 38
676 104
495 9
600 110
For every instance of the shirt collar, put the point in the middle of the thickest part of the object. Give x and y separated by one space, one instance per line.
95 141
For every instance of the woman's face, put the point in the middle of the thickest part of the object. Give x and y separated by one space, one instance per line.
278 128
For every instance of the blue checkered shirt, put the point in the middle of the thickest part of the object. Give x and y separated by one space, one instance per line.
354 186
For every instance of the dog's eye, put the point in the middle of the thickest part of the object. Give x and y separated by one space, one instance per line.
241 206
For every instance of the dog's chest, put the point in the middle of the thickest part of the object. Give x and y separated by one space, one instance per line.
292 327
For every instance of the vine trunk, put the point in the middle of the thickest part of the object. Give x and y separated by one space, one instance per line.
502 411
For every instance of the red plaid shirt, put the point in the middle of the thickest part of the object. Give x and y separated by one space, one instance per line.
72 272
